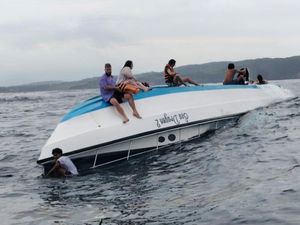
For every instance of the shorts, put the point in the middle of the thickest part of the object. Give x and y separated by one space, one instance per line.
171 84
118 96
232 82
68 173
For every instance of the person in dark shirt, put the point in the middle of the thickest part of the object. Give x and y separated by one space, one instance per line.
260 80
175 79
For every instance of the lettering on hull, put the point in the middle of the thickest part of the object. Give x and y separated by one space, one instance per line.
175 119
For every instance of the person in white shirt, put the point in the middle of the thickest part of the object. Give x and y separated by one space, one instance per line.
126 76
63 164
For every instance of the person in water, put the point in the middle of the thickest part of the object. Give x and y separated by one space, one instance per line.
260 80
63 165
112 94
230 73
126 76
172 78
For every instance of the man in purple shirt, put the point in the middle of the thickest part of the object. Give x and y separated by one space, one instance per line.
112 94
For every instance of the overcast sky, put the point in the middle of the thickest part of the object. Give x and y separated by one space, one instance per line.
43 40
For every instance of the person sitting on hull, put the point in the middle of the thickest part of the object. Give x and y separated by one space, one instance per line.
112 94
174 79
245 73
260 80
63 165
230 73
126 76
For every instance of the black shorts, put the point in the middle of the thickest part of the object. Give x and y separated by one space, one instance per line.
171 84
68 173
231 82
117 95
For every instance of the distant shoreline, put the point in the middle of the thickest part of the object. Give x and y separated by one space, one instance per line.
270 68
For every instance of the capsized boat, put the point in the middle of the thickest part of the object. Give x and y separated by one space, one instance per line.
92 133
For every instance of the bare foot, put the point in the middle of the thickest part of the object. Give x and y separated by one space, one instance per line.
126 120
137 115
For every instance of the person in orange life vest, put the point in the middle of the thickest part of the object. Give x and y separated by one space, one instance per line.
126 76
175 79
113 95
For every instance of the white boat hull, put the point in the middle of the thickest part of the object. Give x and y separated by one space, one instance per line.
96 137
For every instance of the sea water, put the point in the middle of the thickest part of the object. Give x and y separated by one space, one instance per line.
244 173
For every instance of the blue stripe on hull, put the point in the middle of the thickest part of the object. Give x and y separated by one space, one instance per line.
97 103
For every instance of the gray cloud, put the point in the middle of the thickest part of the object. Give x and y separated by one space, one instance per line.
35 34
64 39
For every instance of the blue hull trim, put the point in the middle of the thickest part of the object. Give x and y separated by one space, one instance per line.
96 103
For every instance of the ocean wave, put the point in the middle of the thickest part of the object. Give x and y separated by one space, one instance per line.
7 158
13 133
20 99
7 171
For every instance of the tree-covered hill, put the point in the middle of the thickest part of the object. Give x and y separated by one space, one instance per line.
270 68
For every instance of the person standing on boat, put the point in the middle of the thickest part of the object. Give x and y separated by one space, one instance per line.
229 75
63 165
172 78
112 94
126 76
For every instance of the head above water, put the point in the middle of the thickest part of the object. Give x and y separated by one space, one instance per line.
172 62
129 64
260 78
57 152
107 68
230 66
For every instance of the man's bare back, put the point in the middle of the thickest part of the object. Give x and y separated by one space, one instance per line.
229 75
